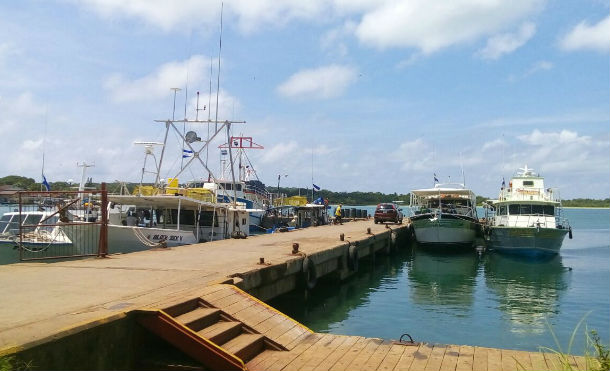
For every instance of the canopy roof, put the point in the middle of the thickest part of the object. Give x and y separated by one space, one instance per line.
165 201
443 191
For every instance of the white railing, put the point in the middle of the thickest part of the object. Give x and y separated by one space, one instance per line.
530 194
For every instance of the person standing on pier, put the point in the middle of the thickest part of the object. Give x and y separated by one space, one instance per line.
338 214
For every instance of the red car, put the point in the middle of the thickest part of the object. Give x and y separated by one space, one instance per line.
388 213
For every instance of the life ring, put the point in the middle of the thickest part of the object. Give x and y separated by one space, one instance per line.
310 273
352 258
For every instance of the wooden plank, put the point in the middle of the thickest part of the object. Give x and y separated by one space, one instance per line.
323 353
553 361
451 357
582 363
287 357
263 356
281 329
349 355
465 361
270 323
494 359
480 359
332 358
225 301
523 360
538 361
377 357
436 357
407 357
298 340
359 362
304 357
217 294
420 357
508 360
290 335
391 359
239 305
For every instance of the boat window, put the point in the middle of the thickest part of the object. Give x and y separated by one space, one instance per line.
528 183
238 187
205 219
525 209
187 217
549 210
228 186
537 209
502 210
4 221
31 221
513 209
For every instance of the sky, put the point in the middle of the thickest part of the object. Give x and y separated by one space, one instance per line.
360 95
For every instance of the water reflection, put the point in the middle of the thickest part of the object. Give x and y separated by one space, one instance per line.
443 279
527 291
331 302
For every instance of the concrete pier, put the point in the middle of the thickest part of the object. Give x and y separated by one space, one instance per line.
98 313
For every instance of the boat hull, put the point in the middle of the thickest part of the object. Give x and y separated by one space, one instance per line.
526 240
448 230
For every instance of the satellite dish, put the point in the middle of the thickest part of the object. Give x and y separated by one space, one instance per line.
191 137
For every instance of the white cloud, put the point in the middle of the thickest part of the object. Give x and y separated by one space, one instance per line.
157 84
494 144
280 152
432 25
323 82
415 155
536 67
588 37
189 14
564 152
499 45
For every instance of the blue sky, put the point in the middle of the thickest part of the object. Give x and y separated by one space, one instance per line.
383 93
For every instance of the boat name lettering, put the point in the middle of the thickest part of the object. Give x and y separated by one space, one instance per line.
159 237
527 191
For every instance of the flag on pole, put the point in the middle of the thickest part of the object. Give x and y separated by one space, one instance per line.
45 183
315 187
435 178
503 183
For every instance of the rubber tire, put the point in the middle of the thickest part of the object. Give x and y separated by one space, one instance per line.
310 274
352 258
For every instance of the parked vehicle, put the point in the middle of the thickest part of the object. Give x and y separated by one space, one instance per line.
388 212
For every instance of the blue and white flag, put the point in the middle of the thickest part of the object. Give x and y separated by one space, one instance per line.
435 178
315 187
186 153
45 183
503 183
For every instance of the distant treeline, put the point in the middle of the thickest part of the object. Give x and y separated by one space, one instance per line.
346 198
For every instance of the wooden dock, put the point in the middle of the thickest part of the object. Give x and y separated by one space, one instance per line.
203 293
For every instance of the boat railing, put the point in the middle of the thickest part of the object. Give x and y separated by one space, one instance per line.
529 194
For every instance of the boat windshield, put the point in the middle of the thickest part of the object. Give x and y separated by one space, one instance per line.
526 209
4 222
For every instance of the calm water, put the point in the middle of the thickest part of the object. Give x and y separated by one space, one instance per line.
489 300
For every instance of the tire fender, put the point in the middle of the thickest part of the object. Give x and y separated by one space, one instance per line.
310 273
352 258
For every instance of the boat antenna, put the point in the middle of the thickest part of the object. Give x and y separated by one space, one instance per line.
462 168
218 73
312 175
207 149
186 97
44 140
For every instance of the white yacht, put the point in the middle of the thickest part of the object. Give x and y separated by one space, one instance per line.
526 218
444 216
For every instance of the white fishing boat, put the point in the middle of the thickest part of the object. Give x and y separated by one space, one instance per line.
526 218
444 216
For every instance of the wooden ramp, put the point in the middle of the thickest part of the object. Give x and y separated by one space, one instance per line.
265 339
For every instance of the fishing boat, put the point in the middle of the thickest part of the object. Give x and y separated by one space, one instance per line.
527 217
444 216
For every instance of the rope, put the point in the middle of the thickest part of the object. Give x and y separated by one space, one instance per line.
144 240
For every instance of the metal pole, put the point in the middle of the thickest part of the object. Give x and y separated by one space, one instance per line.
20 233
103 243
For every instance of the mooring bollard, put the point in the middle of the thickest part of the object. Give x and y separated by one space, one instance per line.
261 261
295 247
342 237
368 230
